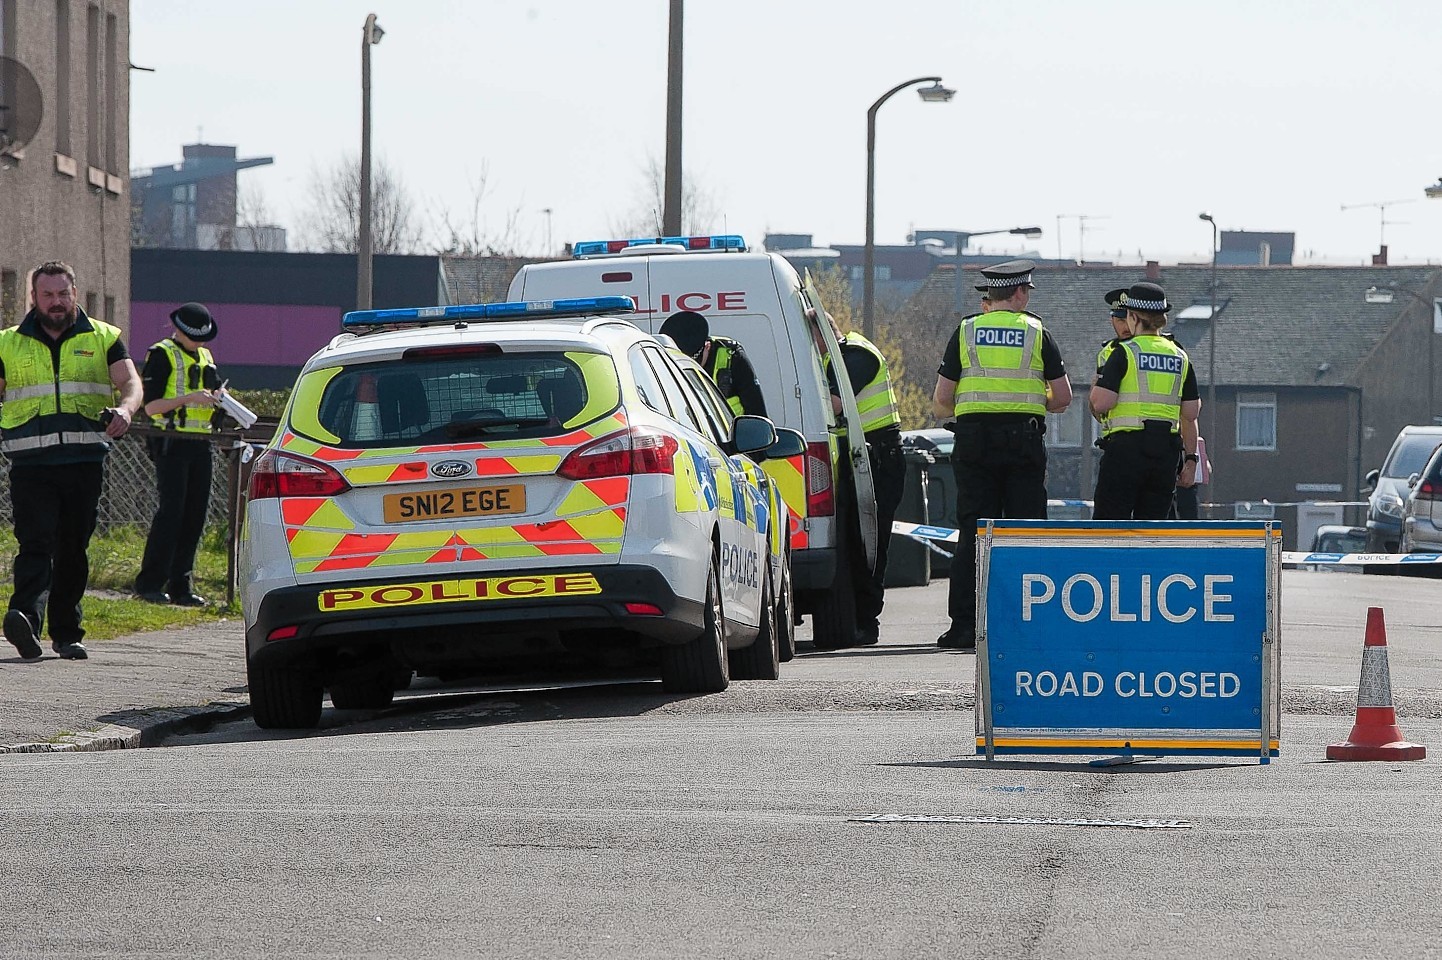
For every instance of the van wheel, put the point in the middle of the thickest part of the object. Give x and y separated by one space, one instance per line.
284 696
833 624
700 666
761 660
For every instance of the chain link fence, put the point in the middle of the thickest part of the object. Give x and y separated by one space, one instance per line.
128 498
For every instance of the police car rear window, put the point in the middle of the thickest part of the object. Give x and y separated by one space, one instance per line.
460 399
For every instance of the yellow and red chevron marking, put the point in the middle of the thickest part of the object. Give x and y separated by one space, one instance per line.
790 478
316 512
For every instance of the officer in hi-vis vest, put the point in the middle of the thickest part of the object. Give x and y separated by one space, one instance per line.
1000 375
721 357
180 382
60 371
881 423
1146 400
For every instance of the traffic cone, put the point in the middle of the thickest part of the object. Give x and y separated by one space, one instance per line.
1375 735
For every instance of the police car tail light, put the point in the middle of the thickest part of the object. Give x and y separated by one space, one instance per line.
820 492
277 474
637 450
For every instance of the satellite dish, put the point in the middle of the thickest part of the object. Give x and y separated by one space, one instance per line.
20 105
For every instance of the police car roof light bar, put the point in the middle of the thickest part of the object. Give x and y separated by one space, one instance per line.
421 316
721 241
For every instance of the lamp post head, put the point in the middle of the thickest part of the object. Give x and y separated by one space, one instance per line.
936 93
373 31
1031 233
1207 217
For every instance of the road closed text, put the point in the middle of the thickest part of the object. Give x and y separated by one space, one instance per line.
1176 598
1163 684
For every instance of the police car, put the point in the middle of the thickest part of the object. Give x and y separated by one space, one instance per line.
456 487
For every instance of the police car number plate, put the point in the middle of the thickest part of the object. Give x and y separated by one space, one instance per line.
454 502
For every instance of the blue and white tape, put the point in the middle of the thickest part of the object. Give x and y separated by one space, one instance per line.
927 533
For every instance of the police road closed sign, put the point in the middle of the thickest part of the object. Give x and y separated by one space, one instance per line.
1141 639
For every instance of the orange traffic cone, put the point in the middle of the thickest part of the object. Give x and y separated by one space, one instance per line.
1375 735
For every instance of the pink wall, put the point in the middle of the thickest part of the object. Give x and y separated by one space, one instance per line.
250 333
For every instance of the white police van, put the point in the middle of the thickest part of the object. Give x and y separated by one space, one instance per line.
761 301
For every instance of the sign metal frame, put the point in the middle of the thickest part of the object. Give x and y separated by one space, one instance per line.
1263 741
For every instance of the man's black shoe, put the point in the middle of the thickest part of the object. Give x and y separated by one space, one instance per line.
956 640
69 651
187 600
154 596
21 632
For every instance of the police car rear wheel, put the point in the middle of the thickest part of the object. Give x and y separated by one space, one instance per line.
785 624
284 696
701 666
761 660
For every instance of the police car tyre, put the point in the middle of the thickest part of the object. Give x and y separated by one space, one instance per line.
701 666
371 689
284 696
761 659
785 619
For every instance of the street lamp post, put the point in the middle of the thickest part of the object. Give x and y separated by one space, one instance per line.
370 35
935 93
1212 343
963 238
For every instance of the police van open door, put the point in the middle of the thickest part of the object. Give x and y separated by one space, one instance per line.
849 432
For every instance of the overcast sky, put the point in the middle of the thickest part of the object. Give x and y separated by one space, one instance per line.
1135 113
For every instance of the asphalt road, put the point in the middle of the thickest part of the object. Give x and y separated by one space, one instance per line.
616 821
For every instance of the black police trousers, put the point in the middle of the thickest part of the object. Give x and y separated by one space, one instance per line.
888 475
1138 474
1000 473
56 507
182 481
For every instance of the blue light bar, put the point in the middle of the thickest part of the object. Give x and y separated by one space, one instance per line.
722 241
420 316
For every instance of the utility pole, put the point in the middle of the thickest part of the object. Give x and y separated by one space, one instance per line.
671 214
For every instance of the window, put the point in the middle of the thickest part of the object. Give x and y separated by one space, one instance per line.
110 310
112 91
9 298
92 305
646 383
92 85
675 395
1257 421
1065 429
62 77
713 407
881 271
7 28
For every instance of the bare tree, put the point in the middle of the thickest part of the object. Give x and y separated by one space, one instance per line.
331 224
467 234
699 212
255 228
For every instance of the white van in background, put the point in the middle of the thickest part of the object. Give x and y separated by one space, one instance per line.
759 300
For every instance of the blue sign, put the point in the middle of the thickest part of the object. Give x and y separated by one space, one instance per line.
1128 638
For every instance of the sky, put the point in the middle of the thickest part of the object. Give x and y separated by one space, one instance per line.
1110 124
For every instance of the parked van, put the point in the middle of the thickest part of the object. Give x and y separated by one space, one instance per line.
761 301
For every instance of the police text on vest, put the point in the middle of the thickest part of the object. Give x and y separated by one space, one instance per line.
999 337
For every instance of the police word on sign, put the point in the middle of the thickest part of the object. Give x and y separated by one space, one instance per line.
999 337
1160 363
1175 598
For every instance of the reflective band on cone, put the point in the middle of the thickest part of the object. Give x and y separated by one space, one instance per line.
1375 734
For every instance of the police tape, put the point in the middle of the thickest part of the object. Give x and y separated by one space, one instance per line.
927 533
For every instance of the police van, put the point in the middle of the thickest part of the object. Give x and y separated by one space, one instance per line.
776 314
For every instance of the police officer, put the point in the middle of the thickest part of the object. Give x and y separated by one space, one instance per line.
1147 402
180 381
881 422
59 373
1000 375
1118 316
722 358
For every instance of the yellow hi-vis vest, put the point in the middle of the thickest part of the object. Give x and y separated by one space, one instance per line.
722 350
877 400
45 407
196 420
1152 387
1001 368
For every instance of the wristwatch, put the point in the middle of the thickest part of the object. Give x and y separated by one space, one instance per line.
1191 458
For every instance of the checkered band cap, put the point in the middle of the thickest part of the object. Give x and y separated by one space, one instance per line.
1012 273
1145 296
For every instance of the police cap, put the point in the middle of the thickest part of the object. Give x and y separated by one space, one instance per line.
1013 273
689 330
195 321
1145 296
1114 300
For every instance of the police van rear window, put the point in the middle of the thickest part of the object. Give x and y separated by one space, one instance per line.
460 399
